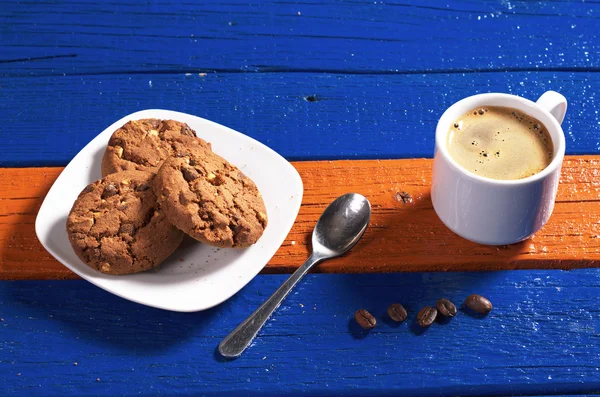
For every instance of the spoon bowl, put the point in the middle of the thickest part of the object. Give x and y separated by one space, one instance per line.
341 225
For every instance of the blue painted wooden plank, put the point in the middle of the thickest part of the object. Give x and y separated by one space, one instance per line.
87 36
47 120
543 336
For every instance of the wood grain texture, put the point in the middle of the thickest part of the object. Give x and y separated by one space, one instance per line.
47 120
361 36
401 236
71 338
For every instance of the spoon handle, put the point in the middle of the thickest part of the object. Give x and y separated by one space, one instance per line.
238 340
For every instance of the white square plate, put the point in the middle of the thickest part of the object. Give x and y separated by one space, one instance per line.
196 277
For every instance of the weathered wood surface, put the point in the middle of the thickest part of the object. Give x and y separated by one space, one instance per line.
237 36
313 80
47 120
70 338
402 236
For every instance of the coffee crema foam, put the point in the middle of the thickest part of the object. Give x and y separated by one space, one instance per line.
500 143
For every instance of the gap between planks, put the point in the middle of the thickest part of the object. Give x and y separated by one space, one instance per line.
276 69
401 236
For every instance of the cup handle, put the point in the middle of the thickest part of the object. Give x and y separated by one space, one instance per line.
554 103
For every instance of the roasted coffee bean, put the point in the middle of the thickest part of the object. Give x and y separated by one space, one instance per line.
478 304
426 316
445 307
190 174
397 312
365 319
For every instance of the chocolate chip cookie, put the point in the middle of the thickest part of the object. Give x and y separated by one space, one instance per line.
144 144
116 225
211 200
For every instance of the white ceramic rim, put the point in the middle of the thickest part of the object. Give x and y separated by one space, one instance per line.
525 105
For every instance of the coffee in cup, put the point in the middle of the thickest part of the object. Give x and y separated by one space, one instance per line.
500 143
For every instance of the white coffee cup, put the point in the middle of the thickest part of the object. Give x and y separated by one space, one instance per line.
491 211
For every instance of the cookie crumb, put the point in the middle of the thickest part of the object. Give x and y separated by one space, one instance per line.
75 363
19 374
301 305
403 197
97 379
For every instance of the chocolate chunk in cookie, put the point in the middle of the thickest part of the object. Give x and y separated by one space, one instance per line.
211 200
116 225
145 144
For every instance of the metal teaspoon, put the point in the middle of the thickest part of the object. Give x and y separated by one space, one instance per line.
339 228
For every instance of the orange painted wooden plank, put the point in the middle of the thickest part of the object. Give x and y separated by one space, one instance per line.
402 236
